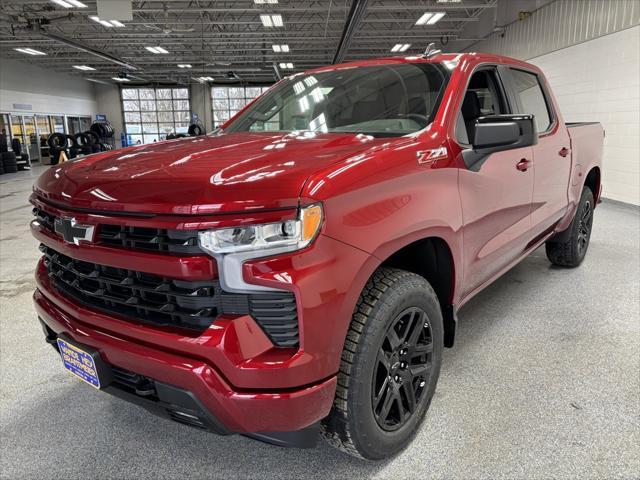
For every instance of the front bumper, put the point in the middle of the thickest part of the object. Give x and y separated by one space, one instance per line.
235 411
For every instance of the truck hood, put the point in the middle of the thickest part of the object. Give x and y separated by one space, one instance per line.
235 172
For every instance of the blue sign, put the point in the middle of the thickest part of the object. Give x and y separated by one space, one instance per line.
79 362
100 117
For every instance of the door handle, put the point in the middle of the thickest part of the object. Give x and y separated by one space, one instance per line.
564 151
523 165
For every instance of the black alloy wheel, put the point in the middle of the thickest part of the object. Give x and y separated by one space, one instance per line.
402 370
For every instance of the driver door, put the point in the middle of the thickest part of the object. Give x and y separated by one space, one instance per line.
496 195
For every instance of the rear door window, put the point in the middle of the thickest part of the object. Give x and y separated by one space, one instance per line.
532 98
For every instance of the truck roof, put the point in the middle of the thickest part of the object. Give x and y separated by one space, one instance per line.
473 57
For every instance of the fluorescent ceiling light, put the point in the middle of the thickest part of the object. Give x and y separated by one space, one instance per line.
271 20
430 18
286 66
156 50
205 79
69 3
83 67
30 51
280 48
449 1
62 3
262 2
399 47
184 65
118 79
106 23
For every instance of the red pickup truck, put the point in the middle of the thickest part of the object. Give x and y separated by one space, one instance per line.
299 270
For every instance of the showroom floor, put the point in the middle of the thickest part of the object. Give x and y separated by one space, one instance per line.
543 382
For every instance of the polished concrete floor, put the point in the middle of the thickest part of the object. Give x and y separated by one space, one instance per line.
544 382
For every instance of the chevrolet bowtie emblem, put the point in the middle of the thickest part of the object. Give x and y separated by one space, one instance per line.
73 232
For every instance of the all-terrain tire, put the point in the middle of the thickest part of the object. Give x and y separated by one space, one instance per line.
352 425
570 252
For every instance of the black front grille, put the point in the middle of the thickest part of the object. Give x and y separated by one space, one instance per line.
136 238
137 295
155 239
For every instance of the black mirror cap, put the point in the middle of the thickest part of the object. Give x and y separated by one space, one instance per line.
494 133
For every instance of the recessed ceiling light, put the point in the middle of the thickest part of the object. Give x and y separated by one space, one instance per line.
399 47
280 48
83 67
30 51
106 23
271 20
262 2
156 50
184 65
286 66
430 18
120 79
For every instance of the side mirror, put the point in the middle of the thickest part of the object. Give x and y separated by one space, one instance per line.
504 132
497 133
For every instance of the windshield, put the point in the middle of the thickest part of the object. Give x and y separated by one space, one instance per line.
385 100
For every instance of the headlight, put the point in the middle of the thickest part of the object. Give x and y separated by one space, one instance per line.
289 235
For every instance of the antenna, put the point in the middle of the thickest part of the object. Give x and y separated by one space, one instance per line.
431 50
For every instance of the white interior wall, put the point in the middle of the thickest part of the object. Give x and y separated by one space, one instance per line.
45 91
599 80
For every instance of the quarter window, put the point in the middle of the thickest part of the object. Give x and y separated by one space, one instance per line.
532 98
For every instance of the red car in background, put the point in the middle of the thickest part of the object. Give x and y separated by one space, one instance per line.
300 269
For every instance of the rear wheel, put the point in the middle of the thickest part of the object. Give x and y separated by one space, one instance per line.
571 251
390 366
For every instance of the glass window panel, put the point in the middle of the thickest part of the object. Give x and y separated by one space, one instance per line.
151 138
220 105
181 105
236 92
147 94
220 117
58 123
154 107
181 117
236 105
150 128
166 128
220 92
149 117
85 123
253 92
163 94
130 105
133 128
134 139
165 105
180 93
130 94
165 117
132 117
147 105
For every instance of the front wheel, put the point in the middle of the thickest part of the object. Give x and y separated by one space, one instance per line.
571 251
390 366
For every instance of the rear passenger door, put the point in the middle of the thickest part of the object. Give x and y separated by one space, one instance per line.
495 195
551 156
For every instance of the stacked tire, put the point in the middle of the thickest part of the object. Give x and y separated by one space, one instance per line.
9 162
